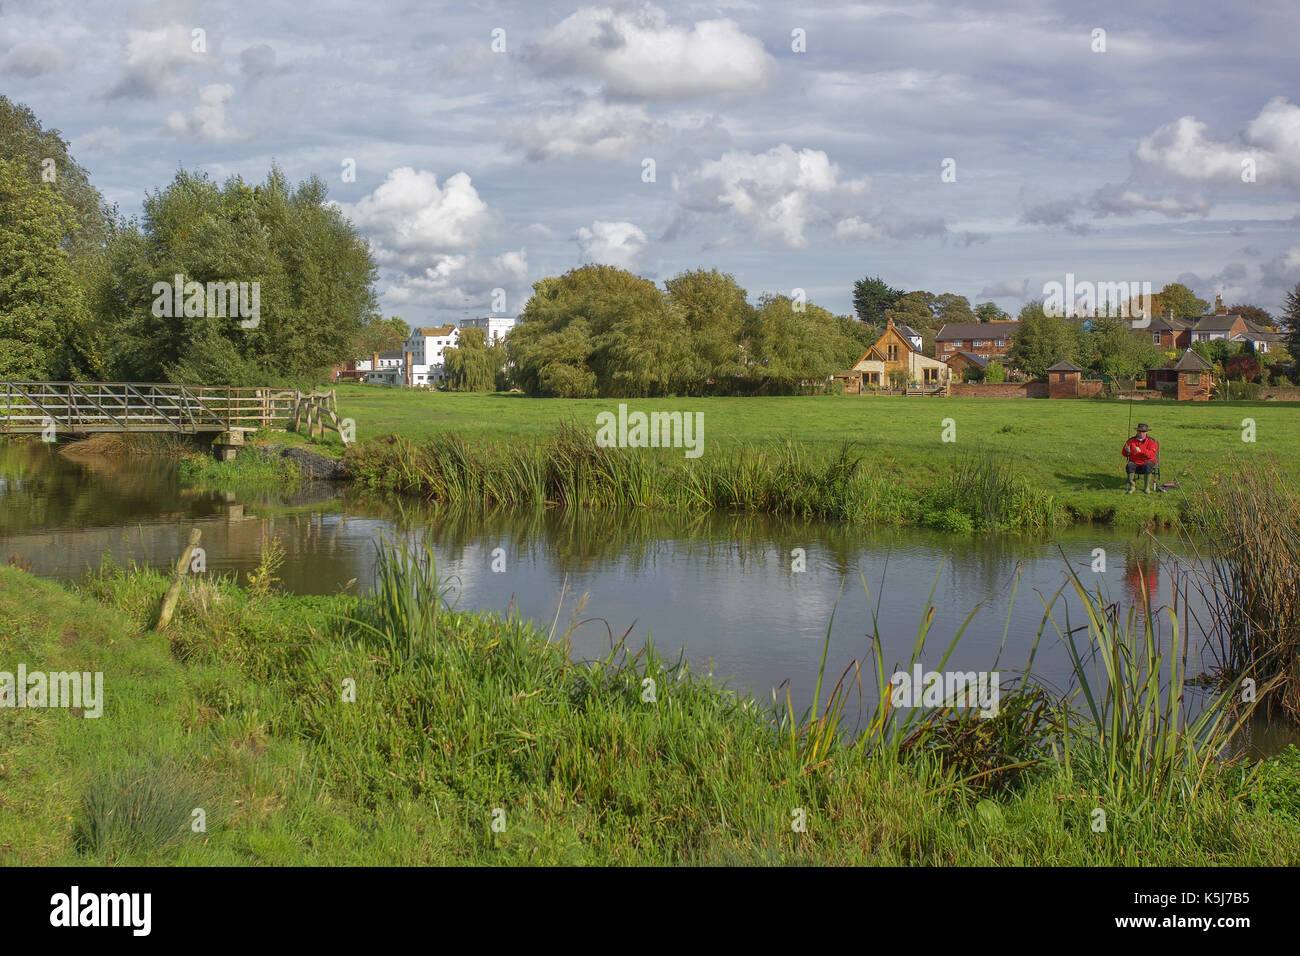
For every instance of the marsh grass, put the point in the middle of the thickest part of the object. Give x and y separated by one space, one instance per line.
1245 544
1135 729
136 810
567 469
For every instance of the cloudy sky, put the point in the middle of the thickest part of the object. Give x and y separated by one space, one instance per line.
485 145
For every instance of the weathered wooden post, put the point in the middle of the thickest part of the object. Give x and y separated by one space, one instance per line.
178 579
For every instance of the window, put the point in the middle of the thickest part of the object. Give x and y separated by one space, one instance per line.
1155 337
1193 378
979 343
893 353
1001 343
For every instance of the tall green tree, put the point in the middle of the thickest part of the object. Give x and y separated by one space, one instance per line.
989 312
716 311
950 307
872 298
305 267
41 302
1253 313
790 348
1291 321
605 330
473 365
1111 348
1181 299
1041 340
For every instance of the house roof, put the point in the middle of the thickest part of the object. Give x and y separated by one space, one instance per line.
1162 324
980 360
437 331
392 355
1065 366
975 330
908 331
1191 362
1215 323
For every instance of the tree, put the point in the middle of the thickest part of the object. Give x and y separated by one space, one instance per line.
40 301
789 349
715 311
380 335
1242 368
1041 340
994 372
612 328
872 298
1291 318
1181 299
301 267
989 312
472 366
1253 313
1112 349
950 307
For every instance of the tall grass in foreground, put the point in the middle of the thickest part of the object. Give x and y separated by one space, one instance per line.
1246 536
1137 732
567 469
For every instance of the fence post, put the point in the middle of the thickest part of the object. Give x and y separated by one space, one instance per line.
174 592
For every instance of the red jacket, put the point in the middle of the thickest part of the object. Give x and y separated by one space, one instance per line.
1141 452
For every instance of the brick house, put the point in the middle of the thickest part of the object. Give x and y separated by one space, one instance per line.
962 362
1063 380
989 340
1190 379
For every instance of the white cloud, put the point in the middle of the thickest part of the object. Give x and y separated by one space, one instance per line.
1272 139
598 130
854 229
1112 200
638 53
32 58
208 119
612 243
409 217
462 282
154 59
101 139
776 194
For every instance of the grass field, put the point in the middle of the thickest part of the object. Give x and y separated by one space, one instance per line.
460 721
1067 449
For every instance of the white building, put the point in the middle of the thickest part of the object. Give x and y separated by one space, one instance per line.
494 327
427 347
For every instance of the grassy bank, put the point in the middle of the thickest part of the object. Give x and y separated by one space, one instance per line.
1065 452
245 709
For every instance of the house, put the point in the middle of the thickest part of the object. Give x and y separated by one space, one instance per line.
963 362
1261 338
494 327
386 368
1169 332
991 340
424 348
1190 379
1063 380
895 354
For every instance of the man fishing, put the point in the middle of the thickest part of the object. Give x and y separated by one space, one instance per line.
1143 454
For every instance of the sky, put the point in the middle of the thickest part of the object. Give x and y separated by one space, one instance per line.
983 148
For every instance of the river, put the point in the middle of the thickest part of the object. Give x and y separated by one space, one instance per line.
748 597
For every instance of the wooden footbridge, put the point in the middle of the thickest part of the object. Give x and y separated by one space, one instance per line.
78 409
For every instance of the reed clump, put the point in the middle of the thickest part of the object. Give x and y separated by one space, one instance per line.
567 469
1246 531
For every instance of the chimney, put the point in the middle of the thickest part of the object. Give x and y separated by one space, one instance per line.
407 363
1219 307
1169 315
374 361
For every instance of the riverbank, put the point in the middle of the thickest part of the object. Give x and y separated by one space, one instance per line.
443 737
1057 461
